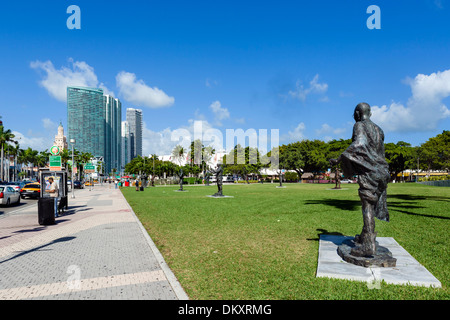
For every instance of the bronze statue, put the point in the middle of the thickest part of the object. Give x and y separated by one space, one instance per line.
181 175
365 158
207 176
219 176
337 178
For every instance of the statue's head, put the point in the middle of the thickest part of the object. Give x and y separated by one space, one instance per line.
362 112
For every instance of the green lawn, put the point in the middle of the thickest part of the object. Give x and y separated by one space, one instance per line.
263 243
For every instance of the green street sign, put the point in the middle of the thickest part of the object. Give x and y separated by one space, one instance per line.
55 163
89 168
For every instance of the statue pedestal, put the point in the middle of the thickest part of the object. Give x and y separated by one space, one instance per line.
381 258
280 187
408 271
180 190
219 197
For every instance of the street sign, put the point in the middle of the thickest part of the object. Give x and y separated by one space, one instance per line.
89 168
54 150
55 163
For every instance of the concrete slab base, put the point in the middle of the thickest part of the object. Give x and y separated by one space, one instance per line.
408 271
220 197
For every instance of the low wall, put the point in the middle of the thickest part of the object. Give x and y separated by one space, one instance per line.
439 183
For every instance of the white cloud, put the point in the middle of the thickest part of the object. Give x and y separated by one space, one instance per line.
328 130
36 143
211 83
164 141
219 112
314 88
49 124
56 81
423 110
297 134
137 92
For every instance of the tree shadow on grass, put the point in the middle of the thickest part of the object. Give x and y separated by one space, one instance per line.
415 202
348 205
408 197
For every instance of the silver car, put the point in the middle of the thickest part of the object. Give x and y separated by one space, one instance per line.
8 195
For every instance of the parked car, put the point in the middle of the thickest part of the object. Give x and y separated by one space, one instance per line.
347 181
78 185
15 185
8 195
31 190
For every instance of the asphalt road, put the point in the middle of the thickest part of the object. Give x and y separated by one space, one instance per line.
15 208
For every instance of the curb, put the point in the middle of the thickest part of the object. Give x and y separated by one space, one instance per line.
171 278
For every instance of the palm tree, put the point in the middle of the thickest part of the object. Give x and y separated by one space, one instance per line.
5 137
178 153
84 158
42 159
30 156
65 156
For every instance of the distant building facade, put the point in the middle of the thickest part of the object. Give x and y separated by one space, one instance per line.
94 121
134 120
125 144
60 139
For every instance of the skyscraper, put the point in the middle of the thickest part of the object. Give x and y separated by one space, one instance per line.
125 144
94 121
113 135
134 119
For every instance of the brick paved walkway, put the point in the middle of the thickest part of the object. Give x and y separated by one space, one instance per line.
97 250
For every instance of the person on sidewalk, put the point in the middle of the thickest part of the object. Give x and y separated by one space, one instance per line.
54 193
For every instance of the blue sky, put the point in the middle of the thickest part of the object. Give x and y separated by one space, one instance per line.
297 66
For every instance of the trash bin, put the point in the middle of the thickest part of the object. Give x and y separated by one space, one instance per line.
46 211
141 188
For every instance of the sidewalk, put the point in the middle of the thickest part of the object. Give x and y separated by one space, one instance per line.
97 250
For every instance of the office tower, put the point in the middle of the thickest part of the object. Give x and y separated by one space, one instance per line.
134 119
113 132
94 122
125 144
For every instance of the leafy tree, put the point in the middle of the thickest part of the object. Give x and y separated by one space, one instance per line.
304 156
436 152
399 157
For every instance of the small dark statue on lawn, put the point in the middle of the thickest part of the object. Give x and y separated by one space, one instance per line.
337 178
365 158
219 178
181 175
207 177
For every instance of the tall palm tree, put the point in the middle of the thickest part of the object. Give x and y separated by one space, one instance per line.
30 156
178 153
42 159
5 137
84 158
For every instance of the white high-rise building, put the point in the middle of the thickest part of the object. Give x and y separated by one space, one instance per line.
125 144
134 119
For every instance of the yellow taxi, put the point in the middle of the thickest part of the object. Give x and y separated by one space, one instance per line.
30 190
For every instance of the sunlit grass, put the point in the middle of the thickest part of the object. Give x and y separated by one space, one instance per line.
263 243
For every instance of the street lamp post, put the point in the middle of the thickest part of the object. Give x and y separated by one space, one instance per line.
72 141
